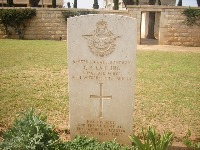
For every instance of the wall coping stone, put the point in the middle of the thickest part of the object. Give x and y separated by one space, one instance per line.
69 9
159 7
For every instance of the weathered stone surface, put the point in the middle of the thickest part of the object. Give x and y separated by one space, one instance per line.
101 62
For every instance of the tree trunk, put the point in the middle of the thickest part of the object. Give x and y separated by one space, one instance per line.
179 3
75 3
151 24
53 3
95 5
198 3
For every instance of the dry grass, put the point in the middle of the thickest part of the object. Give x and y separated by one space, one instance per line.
34 74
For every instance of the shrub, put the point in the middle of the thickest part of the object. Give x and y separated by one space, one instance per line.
80 143
16 18
116 4
152 141
68 14
30 132
192 16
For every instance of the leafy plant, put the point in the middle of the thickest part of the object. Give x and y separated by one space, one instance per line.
190 144
192 16
68 14
80 143
152 140
30 132
33 133
16 18
116 4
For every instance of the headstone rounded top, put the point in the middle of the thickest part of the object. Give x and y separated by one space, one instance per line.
101 16
101 65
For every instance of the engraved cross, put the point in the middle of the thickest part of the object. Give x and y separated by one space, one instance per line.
101 97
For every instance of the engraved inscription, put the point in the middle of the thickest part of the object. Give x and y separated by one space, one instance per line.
101 41
101 97
102 70
100 128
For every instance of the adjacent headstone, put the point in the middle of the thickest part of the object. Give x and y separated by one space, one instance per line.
101 63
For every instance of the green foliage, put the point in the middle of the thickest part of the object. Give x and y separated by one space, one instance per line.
192 16
68 14
34 74
53 3
30 132
80 143
16 18
152 140
116 4
190 144
137 2
179 3
34 3
75 3
159 2
10 3
96 5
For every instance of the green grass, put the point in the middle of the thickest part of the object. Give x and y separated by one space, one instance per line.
168 91
34 74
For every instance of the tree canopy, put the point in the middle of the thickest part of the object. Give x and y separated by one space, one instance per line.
96 5
198 3
179 3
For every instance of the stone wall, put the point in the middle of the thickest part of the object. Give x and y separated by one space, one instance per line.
175 32
172 30
49 24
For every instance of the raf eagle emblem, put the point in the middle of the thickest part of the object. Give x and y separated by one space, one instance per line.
101 41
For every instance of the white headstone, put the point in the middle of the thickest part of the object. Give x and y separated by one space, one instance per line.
101 64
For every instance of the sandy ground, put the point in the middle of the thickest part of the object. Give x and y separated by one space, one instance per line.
168 48
151 44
